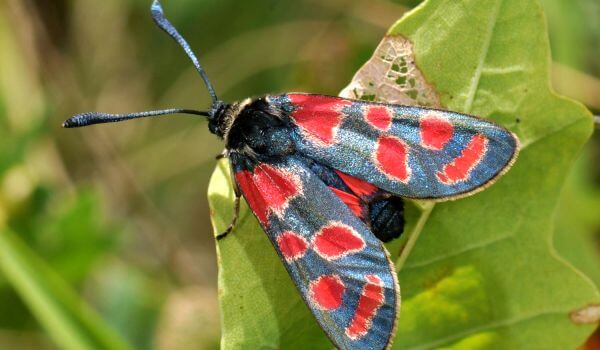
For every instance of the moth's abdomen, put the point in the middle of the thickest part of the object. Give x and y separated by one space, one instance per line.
387 218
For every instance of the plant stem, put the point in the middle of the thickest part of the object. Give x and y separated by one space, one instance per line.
426 210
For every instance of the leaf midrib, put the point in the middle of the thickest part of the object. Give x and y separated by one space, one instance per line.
483 57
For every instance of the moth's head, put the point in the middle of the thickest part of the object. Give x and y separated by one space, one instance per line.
222 116
216 117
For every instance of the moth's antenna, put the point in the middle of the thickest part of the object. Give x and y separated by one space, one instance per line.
159 18
158 15
89 118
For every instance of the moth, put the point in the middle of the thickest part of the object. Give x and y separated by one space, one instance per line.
325 175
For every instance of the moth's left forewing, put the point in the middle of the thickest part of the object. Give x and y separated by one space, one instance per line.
340 268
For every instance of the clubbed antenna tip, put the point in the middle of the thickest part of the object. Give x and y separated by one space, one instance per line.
159 18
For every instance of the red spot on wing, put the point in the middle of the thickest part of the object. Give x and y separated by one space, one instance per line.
268 189
318 116
460 168
277 186
353 202
327 292
292 245
371 299
391 156
360 187
380 117
252 195
436 131
337 240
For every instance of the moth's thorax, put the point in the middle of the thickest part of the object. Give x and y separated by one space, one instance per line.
224 115
255 127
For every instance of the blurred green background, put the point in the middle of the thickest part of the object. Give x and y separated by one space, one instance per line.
119 211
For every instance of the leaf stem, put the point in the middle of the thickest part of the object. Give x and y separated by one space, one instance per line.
426 209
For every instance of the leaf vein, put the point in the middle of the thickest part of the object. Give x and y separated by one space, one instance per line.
486 47
466 249
485 327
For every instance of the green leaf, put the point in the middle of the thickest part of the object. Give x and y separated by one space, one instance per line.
483 272
68 320
492 59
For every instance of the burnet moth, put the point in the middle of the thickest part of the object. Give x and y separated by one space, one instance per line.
324 176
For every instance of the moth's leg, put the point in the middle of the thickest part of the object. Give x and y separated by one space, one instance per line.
236 214
222 155
236 209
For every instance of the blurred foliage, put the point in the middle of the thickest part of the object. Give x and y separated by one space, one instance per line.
68 320
111 210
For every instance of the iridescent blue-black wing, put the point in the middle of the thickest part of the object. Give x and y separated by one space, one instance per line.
341 270
412 152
